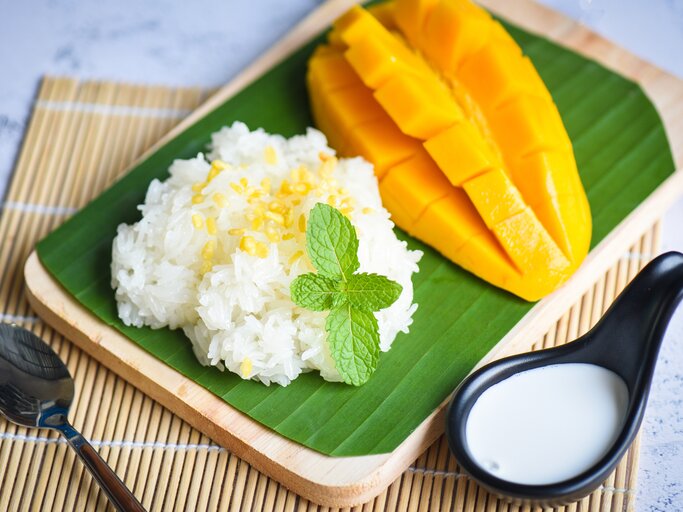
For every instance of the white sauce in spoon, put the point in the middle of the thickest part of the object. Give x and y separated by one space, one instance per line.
546 425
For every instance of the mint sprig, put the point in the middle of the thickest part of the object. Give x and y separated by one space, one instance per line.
371 292
315 292
352 330
353 335
331 242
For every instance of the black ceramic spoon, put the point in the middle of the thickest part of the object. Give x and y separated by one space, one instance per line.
626 340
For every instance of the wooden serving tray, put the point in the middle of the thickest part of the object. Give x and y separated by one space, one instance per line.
346 481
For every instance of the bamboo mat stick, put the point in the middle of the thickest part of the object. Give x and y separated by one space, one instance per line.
206 460
151 415
70 154
138 430
88 167
152 477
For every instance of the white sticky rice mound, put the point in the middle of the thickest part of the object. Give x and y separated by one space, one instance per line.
239 314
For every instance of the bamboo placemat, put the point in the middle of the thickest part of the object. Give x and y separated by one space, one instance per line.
81 137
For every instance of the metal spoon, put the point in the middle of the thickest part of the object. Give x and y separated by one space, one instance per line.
36 390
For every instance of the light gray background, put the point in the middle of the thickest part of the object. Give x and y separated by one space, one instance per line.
207 42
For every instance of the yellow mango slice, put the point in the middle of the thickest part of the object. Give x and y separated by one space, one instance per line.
453 31
452 218
494 196
385 14
353 24
335 137
382 143
410 17
483 256
376 61
544 173
502 38
460 153
470 150
352 107
397 206
529 245
332 70
421 108
497 73
566 218
415 184
537 126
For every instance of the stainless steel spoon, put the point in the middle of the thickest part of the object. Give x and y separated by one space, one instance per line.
36 390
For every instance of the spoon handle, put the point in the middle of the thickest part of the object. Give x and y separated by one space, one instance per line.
115 489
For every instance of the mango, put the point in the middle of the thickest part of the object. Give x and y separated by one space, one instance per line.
451 219
494 196
427 107
468 145
415 184
461 153
381 143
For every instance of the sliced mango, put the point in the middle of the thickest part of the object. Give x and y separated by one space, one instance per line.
333 66
527 124
399 211
461 153
529 245
352 106
566 217
452 218
385 14
335 137
411 16
381 143
470 149
453 31
427 107
497 73
501 37
415 184
483 256
494 196
354 24
544 174
379 59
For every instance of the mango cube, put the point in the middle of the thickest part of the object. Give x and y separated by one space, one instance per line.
460 152
417 181
382 143
494 196
537 126
421 108
453 31
528 244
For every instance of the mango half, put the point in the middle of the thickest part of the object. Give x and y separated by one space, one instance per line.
468 145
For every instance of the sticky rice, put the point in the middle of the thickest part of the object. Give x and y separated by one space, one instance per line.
221 239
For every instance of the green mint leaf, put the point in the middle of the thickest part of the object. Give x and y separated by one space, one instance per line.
331 242
352 330
353 335
371 292
316 292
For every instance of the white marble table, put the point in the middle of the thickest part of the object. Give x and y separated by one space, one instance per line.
206 42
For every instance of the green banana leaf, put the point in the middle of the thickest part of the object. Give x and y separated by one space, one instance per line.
622 154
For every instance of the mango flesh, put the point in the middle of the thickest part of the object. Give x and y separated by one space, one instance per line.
470 150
